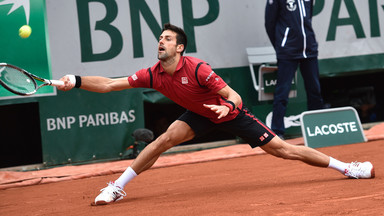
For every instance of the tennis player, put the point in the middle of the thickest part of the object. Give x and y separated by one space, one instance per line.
210 103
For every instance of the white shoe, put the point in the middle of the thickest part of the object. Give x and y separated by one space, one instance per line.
360 170
109 194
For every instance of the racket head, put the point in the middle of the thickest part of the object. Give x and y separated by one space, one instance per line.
17 80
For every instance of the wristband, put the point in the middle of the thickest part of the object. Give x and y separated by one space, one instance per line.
230 105
75 80
78 81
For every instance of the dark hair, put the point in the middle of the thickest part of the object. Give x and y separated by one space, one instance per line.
181 37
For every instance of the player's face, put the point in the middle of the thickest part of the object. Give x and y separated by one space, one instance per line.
167 46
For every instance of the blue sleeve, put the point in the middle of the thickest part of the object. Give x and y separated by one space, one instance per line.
271 14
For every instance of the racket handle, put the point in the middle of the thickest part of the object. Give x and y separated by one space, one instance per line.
56 83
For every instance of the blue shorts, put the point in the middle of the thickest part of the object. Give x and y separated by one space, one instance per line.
245 126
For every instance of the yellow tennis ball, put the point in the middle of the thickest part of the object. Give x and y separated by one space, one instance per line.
25 31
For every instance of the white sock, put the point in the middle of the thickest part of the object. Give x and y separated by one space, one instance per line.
337 165
126 177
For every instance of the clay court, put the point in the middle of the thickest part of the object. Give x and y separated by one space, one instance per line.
232 180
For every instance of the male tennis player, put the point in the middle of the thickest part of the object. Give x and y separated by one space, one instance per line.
210 103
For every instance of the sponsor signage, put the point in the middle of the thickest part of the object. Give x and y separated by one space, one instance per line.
119 37
270 81
87 126
330 127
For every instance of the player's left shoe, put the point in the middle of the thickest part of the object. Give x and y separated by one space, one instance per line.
109 194
359 170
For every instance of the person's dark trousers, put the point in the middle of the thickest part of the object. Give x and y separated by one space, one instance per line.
286 71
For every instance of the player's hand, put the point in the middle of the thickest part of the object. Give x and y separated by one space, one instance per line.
68 83
220 110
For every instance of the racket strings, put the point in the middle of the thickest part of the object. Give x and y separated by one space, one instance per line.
17 80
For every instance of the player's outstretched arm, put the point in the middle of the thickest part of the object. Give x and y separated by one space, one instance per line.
95 83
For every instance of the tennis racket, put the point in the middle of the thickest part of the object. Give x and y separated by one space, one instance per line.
21 82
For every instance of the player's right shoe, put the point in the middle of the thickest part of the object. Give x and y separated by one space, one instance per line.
359 170
109 194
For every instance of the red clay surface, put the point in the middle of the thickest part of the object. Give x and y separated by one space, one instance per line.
256 184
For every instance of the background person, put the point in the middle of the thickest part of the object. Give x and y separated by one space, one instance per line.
289 27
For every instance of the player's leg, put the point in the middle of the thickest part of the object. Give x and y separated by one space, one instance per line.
185 128
279 148
256 133
282 149
177 133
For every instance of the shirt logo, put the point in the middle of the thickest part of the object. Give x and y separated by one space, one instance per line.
134 77
262 138
291 6
209 76
184 80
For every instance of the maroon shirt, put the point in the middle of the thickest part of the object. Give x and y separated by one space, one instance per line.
186 88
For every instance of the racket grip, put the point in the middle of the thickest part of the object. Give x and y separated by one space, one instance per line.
56 83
